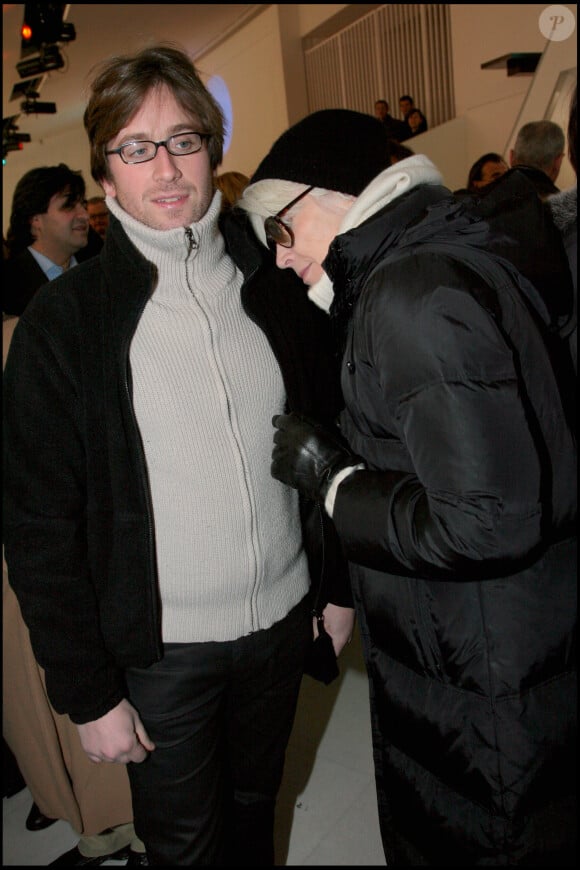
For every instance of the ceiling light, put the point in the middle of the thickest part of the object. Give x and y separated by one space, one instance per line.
33 107
31 88
43 25
50 58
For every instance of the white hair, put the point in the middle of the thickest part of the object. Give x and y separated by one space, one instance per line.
267 197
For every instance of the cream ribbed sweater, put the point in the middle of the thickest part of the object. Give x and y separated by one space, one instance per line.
205 387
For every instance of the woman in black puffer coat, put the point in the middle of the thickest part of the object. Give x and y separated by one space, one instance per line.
455 499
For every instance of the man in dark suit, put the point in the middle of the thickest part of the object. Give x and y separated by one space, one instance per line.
49 225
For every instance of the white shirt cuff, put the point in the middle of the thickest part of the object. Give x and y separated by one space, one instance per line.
336 481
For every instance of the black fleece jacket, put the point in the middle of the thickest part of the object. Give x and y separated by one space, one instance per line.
78 531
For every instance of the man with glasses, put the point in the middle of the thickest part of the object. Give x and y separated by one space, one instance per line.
165 576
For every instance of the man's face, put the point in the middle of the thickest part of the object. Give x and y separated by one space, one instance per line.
414 120
62 229
405 106
381 110
169 191
98 217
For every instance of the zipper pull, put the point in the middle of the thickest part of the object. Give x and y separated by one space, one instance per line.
191 243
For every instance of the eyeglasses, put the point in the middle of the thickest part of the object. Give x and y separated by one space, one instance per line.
144 150
277 232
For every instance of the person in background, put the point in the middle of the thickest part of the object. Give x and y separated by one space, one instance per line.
395 129
166 578
538 152
64 784
486 169
563 207
48 207
98 215
12 779
451 482
231 184
48 227
416 122
406 105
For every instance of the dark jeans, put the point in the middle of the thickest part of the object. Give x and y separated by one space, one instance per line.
220 715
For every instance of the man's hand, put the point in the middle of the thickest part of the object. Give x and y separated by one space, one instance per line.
339 624
306 456
118 736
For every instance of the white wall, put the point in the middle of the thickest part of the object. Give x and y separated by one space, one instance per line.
483 32
446 147
250 63
312 15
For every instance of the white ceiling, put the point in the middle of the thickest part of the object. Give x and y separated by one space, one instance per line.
103 30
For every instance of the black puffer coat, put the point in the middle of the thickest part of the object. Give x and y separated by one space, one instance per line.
461 534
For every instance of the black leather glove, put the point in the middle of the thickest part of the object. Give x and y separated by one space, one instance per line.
307 456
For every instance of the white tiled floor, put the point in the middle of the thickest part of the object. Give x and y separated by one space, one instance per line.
327 813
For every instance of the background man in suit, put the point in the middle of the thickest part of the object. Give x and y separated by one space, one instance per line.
49 225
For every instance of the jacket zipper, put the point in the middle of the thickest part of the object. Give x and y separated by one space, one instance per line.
191 245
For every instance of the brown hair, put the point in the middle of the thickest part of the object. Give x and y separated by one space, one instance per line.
232 185
120 85
32 196
476 171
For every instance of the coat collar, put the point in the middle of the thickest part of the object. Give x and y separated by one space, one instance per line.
564 208
353 255
386 188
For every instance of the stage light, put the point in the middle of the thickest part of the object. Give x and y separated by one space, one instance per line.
12 140
16 140
43 25
12 146
29 89
50 58
33 107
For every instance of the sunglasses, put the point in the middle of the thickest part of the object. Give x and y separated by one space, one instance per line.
277 232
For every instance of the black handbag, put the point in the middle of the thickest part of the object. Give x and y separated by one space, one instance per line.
321 663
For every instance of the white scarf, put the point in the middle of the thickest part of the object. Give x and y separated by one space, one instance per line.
383 189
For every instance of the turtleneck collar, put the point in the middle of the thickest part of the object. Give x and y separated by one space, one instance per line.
157 245
382 190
